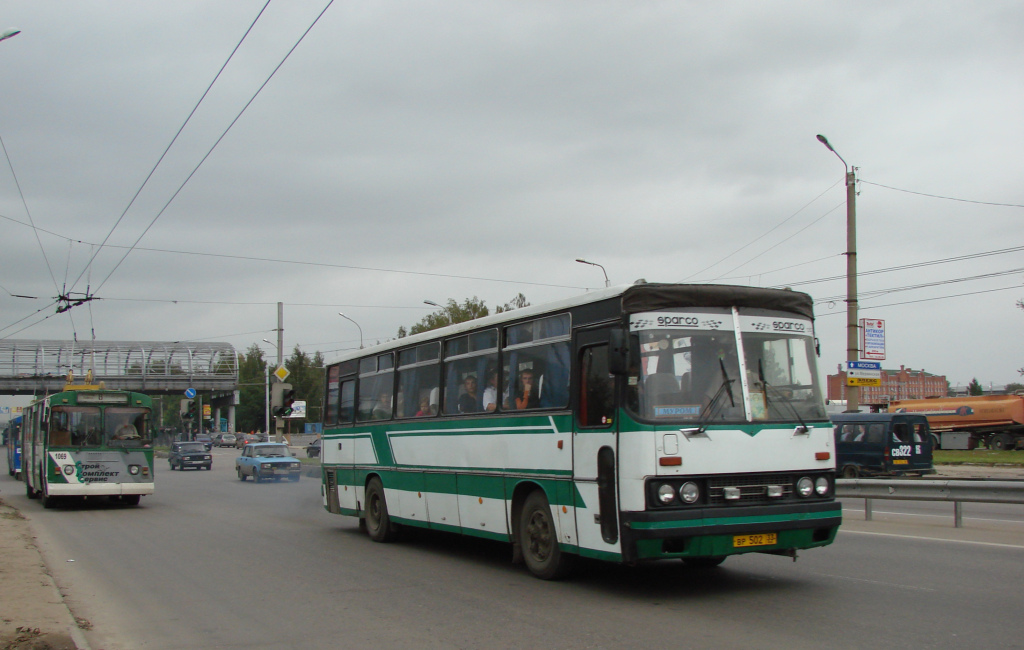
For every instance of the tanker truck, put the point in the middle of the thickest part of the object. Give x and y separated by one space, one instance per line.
967 422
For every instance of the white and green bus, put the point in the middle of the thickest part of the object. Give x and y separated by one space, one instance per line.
627 424
86 442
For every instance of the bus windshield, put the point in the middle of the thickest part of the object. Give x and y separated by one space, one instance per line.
80 426
126 427
691 371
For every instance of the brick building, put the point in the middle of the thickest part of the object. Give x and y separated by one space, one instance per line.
896 384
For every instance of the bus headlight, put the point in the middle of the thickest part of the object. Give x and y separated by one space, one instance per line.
805 487
666 494
689 492
133 470
821 486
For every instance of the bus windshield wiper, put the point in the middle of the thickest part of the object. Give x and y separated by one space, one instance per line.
724 389
768 388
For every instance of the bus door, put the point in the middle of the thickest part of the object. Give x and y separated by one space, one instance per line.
595 444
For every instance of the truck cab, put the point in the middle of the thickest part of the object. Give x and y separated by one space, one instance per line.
882 444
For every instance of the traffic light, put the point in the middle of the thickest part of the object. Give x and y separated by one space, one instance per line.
188 409
282 396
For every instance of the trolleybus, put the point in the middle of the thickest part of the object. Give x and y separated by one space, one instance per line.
88 442
12 442
627 424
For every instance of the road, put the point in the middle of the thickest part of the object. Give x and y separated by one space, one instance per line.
212 562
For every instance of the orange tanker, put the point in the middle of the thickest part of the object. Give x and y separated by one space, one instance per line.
996 420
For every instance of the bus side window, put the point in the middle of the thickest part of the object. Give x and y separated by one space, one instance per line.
597 388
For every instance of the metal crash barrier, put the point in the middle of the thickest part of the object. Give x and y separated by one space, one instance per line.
957 491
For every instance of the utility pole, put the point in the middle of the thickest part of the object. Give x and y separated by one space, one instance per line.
278 422
852 331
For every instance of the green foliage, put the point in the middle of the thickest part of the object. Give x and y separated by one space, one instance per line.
975 388
1014 387
453 312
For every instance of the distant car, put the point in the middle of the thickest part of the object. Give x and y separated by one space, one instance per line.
206 440
267 460
313 449
242 439
184 455
225 440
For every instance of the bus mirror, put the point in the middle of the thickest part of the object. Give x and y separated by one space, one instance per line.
618 352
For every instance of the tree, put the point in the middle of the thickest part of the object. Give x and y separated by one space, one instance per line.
975 388
453 312
250 415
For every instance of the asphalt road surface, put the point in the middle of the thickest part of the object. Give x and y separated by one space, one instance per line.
213 562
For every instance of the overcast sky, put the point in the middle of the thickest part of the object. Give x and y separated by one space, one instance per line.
411 151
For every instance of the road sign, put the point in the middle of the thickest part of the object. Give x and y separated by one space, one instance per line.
863 373
872 338
298 410
190 393
282 373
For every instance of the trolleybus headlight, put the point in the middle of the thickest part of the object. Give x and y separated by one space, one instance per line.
69 469
689 492
821 486
133 470
805 487
666 494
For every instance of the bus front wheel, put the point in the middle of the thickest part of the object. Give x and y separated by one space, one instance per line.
378 521
538 538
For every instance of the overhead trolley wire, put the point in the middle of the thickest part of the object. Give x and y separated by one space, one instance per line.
167 149
221 138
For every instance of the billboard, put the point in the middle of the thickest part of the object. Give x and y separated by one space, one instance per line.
872 339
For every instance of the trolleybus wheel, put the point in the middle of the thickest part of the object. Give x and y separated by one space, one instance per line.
539 540
130 499
378 521
29 492
47 500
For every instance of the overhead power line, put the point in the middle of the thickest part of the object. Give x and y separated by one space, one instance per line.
945 198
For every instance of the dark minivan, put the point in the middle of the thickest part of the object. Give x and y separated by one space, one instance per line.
882 444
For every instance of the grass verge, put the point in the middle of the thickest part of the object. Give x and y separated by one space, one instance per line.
977 457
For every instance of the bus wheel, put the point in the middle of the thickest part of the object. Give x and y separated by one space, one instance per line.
130 499
378 521
539 540
850 471
703 562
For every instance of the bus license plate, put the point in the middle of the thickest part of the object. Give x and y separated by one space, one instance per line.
762 539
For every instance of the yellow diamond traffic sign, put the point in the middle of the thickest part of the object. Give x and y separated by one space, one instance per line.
282 373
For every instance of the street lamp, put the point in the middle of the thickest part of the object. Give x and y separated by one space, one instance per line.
432 304
606 282
357 325
852 338
9 33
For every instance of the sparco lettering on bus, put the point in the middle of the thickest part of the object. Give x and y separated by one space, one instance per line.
788 326
678 321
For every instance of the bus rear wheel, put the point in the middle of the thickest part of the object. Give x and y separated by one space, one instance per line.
378 521
130 499
538 538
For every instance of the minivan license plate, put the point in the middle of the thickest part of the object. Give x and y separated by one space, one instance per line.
761 539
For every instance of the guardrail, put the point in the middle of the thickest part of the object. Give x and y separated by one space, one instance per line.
956 491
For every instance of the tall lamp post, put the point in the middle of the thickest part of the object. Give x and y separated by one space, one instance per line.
357 325
266 391
852 332
9 33
606 282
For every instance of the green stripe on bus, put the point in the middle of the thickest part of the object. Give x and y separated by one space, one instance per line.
724 521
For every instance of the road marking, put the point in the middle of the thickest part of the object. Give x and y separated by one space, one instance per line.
873 582
932 539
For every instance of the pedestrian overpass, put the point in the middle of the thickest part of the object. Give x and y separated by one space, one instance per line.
38 367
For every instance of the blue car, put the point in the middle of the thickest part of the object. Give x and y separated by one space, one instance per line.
267 460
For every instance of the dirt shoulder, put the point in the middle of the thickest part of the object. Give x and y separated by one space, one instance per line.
33 615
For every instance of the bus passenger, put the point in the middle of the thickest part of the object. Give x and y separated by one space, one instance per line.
491 392
526 397
467 400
